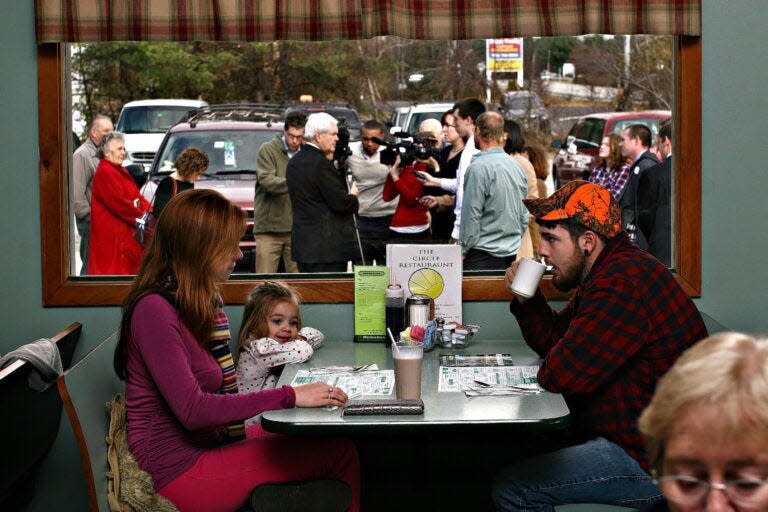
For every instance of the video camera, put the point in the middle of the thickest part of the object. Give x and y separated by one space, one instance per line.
342 151
418 148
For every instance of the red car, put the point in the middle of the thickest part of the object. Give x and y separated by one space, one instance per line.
231 136
575 155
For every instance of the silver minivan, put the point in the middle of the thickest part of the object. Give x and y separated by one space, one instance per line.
418 113
144 124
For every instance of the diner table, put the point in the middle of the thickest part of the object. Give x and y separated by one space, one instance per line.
443 411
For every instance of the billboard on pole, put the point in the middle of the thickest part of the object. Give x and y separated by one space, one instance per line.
505 56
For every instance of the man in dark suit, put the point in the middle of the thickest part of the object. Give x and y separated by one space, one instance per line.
323 232
635 144
654 200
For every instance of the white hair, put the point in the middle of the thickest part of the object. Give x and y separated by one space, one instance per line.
109 137
431 127
320 122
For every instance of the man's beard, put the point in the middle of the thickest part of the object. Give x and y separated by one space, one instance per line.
572 276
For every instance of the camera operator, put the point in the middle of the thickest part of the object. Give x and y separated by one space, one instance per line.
375 214
410 223
323 232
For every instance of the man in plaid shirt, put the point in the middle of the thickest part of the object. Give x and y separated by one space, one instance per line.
625 326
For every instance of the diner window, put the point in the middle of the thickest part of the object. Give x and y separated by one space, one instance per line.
372 76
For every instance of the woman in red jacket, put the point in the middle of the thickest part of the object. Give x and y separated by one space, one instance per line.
116 203
410 222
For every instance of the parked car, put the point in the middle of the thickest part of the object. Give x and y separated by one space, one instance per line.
576 154
526 108
418 113
398 117
337 110
144 124
231 136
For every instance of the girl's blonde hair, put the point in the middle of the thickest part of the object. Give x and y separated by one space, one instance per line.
261 301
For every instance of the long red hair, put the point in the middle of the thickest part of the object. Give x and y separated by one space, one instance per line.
197 233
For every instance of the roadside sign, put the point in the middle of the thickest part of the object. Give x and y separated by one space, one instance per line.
505 56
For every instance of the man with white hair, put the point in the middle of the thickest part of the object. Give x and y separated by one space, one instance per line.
323 232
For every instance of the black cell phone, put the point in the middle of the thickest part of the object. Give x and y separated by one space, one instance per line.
421 175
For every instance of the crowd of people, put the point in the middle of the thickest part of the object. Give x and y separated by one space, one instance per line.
328 212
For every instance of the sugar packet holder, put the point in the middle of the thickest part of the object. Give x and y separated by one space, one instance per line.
387 406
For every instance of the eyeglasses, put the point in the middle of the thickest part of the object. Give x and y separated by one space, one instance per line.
368 139
688 490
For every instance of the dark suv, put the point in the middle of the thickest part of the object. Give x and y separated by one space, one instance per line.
527 109
337 110
231 136
576 154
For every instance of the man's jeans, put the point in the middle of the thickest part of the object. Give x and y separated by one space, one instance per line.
84 230
597 471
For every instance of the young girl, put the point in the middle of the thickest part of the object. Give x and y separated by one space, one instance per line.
271 336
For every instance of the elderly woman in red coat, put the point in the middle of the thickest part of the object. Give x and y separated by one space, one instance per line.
116 203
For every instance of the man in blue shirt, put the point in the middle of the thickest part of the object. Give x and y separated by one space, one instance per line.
493 217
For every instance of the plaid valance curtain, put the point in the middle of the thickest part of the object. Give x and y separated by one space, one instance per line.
268 20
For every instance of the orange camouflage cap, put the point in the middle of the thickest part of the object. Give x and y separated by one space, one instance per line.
589 203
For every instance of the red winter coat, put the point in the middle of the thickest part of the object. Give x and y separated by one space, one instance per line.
116 203
409 211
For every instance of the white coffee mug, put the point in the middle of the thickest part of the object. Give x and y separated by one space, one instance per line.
527 277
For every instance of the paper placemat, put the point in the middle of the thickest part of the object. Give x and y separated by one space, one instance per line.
377 382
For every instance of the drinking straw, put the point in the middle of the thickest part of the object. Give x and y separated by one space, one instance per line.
394 344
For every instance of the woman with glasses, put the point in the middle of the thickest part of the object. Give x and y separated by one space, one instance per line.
440 202
611 171
707 427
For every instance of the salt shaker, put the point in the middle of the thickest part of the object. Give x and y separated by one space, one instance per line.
418 309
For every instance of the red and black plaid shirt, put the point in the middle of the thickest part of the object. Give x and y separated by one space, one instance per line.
606 349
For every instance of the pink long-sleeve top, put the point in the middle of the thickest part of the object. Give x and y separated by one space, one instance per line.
173 404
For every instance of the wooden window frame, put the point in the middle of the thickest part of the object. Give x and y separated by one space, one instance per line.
62 289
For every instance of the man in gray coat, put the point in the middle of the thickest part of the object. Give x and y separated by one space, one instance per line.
84 162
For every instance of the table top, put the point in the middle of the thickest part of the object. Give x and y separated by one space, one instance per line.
449 411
